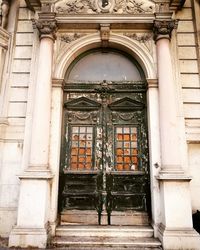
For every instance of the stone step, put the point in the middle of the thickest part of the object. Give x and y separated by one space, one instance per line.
90 217
105 231
79 237
80 243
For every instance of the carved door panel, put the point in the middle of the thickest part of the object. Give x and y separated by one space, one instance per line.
105 153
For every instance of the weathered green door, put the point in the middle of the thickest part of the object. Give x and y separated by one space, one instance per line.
104 173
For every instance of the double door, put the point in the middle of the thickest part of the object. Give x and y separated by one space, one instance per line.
104 170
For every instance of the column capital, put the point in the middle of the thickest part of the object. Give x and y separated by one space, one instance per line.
163 28
47 25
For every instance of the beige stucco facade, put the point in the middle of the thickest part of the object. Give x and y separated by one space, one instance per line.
37 45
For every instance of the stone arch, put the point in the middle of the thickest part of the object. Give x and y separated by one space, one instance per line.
132 47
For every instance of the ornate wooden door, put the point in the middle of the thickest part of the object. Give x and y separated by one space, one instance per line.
105 153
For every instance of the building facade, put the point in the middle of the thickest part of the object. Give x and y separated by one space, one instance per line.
99 117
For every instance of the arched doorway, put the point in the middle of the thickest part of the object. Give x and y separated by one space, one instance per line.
104 175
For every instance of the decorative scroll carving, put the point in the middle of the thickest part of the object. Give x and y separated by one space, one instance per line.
68 38
140 38
133 7
145 38
107 6
80 116
75 7
46 25
104 90
163 29
64 40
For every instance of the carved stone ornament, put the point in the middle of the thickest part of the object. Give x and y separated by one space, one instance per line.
46 26
164 28
104 6
68 38
105 34
142 38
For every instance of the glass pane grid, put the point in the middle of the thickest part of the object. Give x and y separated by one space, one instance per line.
126 148
81 148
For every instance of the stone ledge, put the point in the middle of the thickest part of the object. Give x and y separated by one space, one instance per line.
36 174
173 176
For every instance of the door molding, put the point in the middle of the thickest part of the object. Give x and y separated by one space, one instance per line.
145 59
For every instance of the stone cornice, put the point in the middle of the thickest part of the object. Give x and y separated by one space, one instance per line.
47 25
80 22
163 28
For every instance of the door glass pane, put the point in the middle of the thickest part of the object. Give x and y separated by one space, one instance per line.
126 151
81 149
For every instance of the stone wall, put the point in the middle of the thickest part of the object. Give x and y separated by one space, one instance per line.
14 93
189 64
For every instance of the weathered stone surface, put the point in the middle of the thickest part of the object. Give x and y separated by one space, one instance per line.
191 110
22 66
19 80
24 39
22 52
18 94
186 39
25 26
185 26
17 110
185 13
187 53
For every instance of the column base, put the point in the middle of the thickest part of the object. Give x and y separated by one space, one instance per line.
178 239
28 237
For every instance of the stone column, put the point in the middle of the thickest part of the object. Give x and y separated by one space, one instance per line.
176 229
167 97
34 200
41 118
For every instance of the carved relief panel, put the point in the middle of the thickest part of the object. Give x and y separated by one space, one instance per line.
104 6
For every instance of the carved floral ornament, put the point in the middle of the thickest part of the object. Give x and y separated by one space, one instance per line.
68 38
142 38
104 6
46 28
164 28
